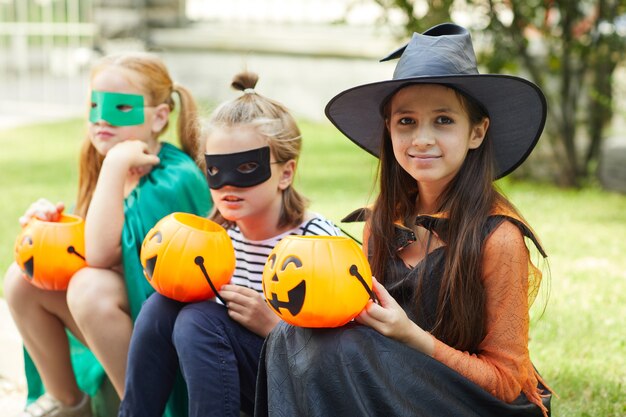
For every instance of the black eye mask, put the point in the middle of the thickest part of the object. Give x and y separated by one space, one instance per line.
239 169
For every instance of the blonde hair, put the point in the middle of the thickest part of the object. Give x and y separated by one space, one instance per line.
153 79
272 120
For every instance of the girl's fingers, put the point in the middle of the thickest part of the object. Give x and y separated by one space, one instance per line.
370 312
233 314
59 207
381 292
363 317
375 312
44 210
238 289
235 307
235 296
151 160
44 214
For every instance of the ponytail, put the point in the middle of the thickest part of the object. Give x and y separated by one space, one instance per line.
188 126
89 170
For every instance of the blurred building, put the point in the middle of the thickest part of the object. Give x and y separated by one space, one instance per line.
45 46
305 51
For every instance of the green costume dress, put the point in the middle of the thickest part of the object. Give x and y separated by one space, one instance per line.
176 184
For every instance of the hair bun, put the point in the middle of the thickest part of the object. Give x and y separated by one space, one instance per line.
244 80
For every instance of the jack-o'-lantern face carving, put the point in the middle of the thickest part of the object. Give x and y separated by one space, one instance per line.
25 249
50 253
187 258
317 281
157 239
295 296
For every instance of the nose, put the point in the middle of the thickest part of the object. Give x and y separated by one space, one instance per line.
423 137
102 122
224 188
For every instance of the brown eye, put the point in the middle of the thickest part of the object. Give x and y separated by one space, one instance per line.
212 170
125 108
247 167
444 120
94 105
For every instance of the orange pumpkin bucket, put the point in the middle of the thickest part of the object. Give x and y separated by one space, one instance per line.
187 258
317 281
50 253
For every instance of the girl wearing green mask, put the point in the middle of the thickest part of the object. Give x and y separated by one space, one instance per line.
128 181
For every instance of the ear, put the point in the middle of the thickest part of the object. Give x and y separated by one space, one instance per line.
160 118
478 133
287 173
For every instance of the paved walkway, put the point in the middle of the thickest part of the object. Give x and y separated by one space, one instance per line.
12 381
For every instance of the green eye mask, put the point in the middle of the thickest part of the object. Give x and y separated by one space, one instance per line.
116 109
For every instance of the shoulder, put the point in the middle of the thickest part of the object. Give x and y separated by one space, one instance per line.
505 253
177 165
317 225
170 155
505 237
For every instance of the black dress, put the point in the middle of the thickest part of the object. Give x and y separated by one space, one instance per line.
355 371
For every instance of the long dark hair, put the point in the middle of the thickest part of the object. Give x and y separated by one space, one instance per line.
468 200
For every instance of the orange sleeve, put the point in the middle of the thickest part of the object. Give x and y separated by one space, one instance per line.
502 365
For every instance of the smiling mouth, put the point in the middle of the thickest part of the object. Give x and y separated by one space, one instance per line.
295 300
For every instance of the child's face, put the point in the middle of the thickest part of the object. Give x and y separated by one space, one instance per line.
104 134
261 201
431 133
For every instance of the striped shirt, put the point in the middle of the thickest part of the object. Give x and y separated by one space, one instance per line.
252 254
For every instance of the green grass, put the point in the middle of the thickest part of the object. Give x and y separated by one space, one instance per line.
576 342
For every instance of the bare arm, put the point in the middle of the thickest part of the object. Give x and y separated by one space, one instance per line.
105 217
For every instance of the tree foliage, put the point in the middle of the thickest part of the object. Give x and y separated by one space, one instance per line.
570 49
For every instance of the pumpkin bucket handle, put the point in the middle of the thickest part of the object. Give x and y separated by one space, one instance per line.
354 271
200 262
72 250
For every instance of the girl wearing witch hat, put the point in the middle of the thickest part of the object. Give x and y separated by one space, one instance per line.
449 333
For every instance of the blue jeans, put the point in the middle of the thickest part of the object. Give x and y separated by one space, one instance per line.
217 356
